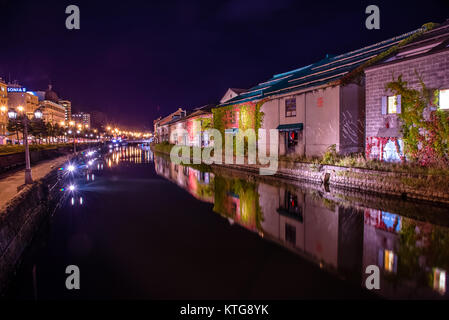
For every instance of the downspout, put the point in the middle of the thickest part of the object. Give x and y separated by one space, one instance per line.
279 123
305 125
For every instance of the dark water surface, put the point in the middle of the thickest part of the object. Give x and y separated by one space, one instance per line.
141 227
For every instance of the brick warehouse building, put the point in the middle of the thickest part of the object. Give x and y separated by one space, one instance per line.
313 107
428 57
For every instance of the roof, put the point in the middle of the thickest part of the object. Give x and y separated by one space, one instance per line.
206 109
238 90
326 71
432 41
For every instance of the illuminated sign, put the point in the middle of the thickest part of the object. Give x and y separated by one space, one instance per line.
15 89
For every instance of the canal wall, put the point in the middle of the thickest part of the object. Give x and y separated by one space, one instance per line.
432 187
21 218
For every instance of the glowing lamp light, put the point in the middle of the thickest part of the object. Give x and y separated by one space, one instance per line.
72 187
38 114
3 109
71 168
20 109
12 114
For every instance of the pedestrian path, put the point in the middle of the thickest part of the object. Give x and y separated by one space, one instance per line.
10 182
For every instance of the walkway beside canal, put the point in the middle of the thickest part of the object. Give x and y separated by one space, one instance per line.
10 182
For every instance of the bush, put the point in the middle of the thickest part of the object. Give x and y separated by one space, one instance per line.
10 149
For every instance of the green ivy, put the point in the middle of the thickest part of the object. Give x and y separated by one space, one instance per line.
426 139
250 116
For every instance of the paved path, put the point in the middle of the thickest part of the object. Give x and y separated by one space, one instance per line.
10 182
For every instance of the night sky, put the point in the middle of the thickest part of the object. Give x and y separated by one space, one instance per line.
136 60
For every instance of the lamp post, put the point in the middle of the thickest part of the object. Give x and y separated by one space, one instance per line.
12 114
72 124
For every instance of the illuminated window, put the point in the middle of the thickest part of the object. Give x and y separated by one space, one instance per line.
389 261
290 107
439 280
444 99
392 103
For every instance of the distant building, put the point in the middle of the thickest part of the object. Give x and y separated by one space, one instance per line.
231 93
54 112
3 110
161 128
18 96
191 129
98 119
68 109
82 118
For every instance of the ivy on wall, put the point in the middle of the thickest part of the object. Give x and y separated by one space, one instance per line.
228 191
250 116
425 127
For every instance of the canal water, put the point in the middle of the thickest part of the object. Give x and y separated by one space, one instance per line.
141 227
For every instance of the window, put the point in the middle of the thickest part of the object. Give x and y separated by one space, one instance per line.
292 139
390 261
290 107
392 103
292 206
444 99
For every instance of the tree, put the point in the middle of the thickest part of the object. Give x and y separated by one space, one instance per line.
38 128
15 126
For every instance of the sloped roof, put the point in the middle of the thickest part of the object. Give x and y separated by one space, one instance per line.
432 41
327 70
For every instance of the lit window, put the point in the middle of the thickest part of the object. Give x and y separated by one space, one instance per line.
290 107
392 104
439 280
389 261
444 99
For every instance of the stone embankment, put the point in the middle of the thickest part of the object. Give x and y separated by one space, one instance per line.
24 211
405 185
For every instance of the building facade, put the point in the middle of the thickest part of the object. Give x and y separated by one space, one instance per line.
314 107
22 100
191 130
68 109
53 112
161 125
82 118
427 58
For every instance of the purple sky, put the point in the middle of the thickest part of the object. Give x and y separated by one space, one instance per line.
136 60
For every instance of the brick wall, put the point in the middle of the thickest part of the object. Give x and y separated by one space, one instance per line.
434 70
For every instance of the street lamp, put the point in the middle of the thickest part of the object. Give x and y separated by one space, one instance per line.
12 114
72 124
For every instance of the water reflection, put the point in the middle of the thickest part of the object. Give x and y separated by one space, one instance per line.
341 232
